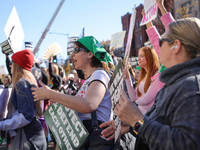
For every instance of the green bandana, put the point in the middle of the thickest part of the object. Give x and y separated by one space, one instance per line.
138 68
109 58
95 47
162 68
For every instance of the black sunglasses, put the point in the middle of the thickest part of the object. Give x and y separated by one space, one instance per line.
77 49
161 40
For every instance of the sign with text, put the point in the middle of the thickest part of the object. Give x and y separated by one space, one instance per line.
71 45
117 40
66 127
151 9
115 85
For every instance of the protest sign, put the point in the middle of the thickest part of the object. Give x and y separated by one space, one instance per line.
115 85
130 35
151 9
117 40
14 31
71 44
66 127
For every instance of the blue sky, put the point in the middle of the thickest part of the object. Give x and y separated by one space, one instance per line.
100 19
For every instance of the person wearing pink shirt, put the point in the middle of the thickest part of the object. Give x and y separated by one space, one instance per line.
146 100
148 84
152 31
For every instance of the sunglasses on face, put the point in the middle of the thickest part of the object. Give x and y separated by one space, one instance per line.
161 40
78 49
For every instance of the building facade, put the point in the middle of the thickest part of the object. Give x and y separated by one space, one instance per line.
187 8
139 34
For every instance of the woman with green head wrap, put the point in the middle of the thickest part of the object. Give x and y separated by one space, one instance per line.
93 95
137 73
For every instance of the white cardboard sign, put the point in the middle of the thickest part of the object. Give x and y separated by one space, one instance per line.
14 31
117 40
151 9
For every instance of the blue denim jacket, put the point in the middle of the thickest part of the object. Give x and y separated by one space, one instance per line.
174 121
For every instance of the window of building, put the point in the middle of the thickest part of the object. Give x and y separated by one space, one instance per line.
139 25
126 31
172 11
136 25
187 7
140 40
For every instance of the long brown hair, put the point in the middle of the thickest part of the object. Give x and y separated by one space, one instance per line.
152 67
19 73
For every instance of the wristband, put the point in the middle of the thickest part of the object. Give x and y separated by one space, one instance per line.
137 127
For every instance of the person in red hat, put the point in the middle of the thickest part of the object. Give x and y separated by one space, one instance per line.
22 110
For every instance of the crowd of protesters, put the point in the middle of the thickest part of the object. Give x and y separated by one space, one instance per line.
158 105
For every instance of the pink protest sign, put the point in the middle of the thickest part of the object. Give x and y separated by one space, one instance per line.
151 9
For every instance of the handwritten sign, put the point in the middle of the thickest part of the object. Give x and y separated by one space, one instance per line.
151 9
116 83
117 39
66 127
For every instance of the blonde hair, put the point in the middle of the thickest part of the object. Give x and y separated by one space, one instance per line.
56 70
18 74
187 30
111 66
152 67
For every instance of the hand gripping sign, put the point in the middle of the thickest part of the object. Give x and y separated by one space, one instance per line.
151 9
115 85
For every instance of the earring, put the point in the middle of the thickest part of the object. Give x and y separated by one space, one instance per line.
175 46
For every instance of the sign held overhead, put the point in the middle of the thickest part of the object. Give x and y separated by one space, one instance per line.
14 33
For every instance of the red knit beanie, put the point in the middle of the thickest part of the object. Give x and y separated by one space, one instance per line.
24 59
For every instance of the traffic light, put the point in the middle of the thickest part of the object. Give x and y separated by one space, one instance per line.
55 59
71 62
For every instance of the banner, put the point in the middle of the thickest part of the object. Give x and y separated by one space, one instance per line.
4 99
115 85
151 9
82 33
130 35
29 45
66 127
117 40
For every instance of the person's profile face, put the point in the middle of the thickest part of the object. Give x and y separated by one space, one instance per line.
137 74
142 59
5 81
165 51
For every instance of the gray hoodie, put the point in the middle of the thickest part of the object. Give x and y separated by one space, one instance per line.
173 123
